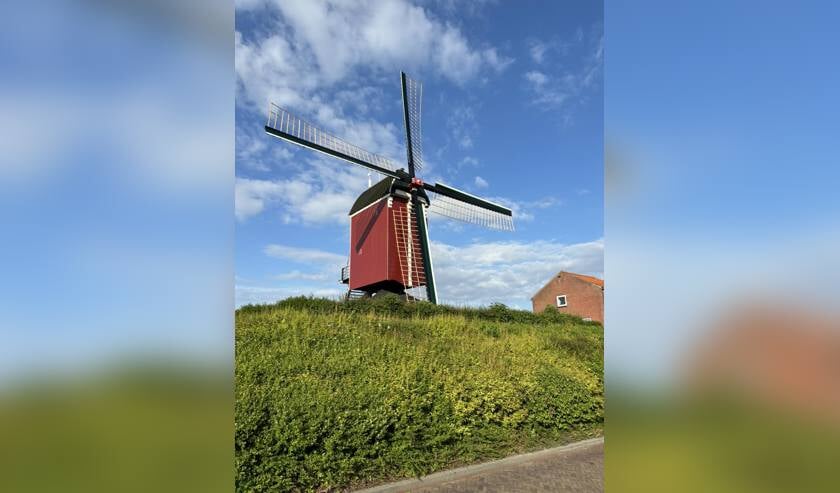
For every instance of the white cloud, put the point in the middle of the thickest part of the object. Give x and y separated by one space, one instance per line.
270 69
320 191
469 161
266 294
319 42
549 92
481 182
309 62
540 50
476 274
255 151
462 126
454 56
305 255
508 272
561 88
453 171
253 196
543 203
499 63
463 8
537 51
297 275
523 211
321 283
538 79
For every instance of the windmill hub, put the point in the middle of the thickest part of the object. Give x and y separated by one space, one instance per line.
389 240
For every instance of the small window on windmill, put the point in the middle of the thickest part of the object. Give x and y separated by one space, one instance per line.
561 301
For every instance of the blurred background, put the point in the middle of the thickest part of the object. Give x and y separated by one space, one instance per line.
722 233
116 167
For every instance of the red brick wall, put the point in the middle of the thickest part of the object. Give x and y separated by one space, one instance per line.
583 298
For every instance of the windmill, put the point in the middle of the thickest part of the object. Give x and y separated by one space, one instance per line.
389 234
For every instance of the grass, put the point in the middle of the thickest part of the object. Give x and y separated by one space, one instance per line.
331 395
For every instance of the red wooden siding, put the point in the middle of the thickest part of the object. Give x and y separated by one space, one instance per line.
370 234
378 246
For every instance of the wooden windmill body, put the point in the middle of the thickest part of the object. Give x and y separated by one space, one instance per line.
386 242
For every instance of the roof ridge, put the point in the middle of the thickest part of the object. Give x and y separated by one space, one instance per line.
583 277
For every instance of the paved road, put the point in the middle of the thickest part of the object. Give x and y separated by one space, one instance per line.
577 467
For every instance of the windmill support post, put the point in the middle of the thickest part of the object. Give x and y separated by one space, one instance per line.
431 290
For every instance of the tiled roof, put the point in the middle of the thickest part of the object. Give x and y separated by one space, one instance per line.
590 279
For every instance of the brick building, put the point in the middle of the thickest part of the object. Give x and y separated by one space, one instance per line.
781 357
572 293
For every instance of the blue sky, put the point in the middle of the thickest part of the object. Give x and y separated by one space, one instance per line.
512 111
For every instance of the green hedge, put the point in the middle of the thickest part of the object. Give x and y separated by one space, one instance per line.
393 305
333 394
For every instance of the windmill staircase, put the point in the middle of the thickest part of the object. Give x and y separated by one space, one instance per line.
409 253
355 294
352 294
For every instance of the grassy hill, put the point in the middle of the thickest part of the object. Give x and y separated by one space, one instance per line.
331 395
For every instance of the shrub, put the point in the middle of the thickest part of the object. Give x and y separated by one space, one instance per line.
332 394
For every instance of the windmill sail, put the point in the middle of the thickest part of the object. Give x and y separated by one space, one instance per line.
407 246
283 124
456 204
412 93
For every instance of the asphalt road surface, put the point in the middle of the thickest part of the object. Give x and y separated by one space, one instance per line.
577 467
